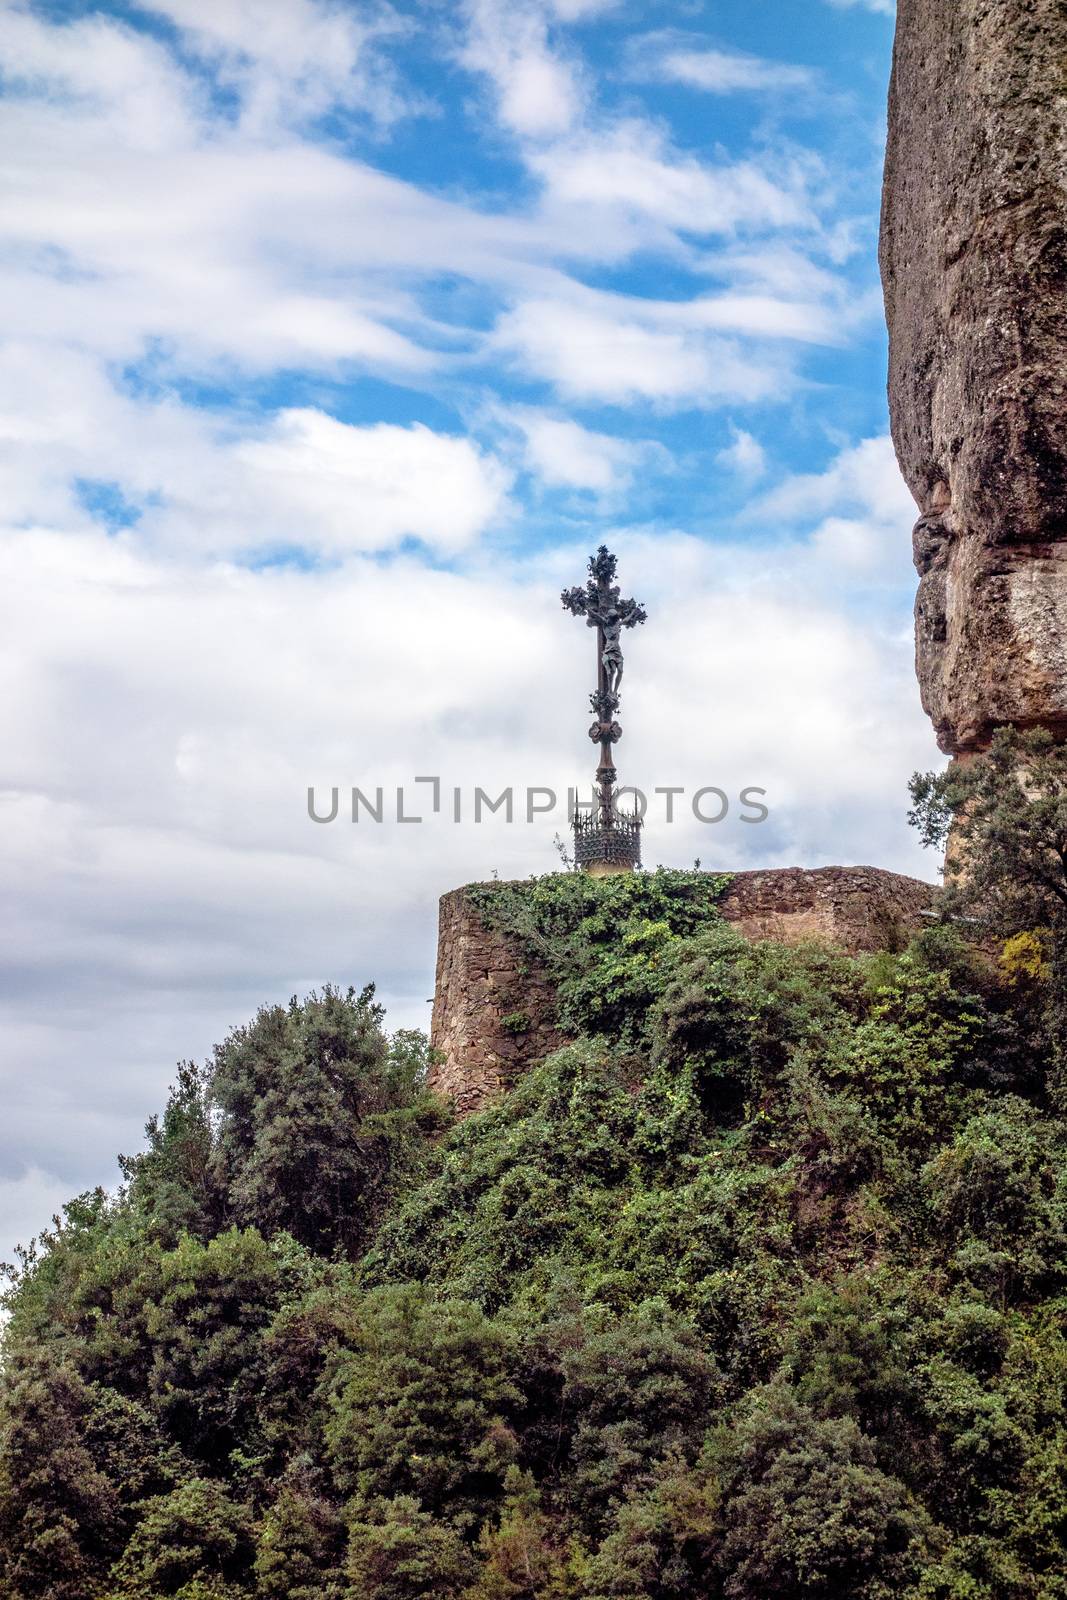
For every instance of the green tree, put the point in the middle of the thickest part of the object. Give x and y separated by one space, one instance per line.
47 1293
303 1145
636 1387
76 1461
172 1181
739 1010
300 1544
194 1543
902 1062
1006 810
205 1326
419 1405
522 1556
1004 814
999 1196
664 1539
808 1513
398 1552
752 1290
605 942
60 1509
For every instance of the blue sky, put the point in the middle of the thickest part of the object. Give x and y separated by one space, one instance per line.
335 336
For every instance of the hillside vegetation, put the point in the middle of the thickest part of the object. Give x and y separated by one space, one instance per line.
754 1291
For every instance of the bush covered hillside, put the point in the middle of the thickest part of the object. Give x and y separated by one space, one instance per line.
754 1291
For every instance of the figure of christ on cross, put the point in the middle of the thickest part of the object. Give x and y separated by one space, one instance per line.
599 603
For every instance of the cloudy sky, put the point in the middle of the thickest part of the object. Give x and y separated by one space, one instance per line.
335 336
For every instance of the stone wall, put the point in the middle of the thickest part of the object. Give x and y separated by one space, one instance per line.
974 267
494 1008
857 908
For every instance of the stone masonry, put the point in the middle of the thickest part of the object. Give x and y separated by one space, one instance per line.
494 1008
974 268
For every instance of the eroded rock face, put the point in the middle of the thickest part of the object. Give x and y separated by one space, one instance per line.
974 267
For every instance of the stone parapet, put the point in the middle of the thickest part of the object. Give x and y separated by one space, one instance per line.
856 908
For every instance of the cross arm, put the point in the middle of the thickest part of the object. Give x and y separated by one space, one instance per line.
630 613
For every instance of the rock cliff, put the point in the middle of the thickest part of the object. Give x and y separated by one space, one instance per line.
974 267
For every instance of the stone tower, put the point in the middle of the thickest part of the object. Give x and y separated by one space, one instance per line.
974 267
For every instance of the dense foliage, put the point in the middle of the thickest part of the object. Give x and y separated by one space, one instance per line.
601 940
1007 812
755 1290
1003 816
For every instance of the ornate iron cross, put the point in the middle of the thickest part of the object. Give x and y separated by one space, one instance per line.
599 603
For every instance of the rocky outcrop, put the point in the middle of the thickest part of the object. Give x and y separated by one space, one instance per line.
494 1009
974 267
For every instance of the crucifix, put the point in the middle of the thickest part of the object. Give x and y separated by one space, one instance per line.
599 603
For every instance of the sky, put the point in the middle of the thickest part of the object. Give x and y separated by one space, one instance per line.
335 337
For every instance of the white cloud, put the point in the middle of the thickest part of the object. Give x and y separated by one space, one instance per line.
779 268
118 81
335 488
538 93
863 480
218 271
220 485
288 255
617 350
728 71
885 8
762 315
139 221
294 59
744 455
620 177
865 475
631 165
591 354
580 10
564 454
27 1204
287 62
134 218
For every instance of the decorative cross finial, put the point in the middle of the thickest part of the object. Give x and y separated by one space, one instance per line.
599 603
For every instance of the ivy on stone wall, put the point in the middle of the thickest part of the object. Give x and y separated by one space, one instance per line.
604 943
